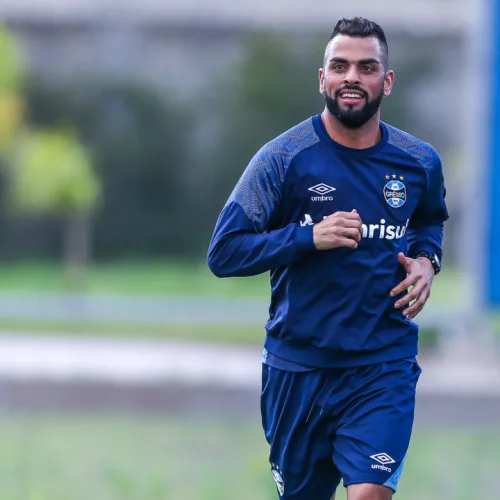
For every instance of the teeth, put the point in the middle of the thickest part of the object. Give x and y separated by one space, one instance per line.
355 96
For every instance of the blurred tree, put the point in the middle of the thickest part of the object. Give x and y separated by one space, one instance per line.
11 110
11 80
52 173
48 171
139 142
141 145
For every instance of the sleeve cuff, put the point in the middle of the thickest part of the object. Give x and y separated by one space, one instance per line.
303 238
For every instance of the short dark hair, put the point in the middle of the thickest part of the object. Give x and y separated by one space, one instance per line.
363 28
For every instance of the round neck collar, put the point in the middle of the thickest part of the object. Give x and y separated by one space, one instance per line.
320 129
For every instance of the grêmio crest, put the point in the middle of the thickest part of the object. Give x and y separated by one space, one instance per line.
395 191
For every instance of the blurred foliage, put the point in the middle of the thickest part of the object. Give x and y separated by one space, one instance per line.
139 143
11 80
48 170
52 172
11 113
11 66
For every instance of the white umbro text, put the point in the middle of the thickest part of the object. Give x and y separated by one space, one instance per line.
322 189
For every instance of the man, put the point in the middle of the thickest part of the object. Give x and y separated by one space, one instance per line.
347 214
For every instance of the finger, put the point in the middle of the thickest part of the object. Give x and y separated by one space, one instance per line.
403 260
340 217
352 223
414 314
419 303
417 306
347 242
353 233
341 226
405 284
346 215
410 296
411 313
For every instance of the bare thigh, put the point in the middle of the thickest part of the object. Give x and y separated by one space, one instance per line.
368 491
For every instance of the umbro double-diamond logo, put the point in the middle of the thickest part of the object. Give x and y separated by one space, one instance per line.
384 460
322 189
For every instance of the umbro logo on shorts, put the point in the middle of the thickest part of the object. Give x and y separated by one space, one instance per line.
383 458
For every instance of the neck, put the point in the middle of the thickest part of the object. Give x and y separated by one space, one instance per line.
363 137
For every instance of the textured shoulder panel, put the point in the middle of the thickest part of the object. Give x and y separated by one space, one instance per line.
419 150
293 141
259 189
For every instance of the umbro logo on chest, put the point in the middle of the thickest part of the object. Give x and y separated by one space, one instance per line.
322 190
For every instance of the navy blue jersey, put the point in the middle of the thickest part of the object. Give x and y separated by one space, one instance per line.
332 308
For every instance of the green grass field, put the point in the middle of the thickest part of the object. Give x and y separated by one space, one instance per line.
170 278
239 334
111 458
133 278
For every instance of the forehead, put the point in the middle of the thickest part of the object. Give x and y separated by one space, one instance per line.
353 48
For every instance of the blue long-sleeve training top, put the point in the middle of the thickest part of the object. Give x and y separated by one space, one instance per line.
331 308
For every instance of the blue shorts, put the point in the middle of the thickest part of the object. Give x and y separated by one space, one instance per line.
347 423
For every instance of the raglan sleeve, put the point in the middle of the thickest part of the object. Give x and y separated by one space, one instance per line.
243 243
425 230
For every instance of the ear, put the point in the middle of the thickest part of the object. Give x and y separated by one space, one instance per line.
389 82
321 77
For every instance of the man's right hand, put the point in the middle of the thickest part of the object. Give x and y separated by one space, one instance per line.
341 229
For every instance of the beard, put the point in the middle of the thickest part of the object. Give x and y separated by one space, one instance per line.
353 118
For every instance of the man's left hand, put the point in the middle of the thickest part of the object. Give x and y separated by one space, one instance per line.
420 275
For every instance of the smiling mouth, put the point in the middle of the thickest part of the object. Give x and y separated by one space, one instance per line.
351 95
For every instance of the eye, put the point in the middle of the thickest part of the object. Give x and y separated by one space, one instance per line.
338 67
368 69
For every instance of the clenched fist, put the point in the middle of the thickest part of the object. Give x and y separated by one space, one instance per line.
341 229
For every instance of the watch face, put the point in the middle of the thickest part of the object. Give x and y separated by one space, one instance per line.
436 258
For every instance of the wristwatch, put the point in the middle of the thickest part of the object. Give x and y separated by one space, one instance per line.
436 264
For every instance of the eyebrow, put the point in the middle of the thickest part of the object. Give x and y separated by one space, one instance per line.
360 62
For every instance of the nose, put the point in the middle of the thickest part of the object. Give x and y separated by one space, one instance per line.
352 76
